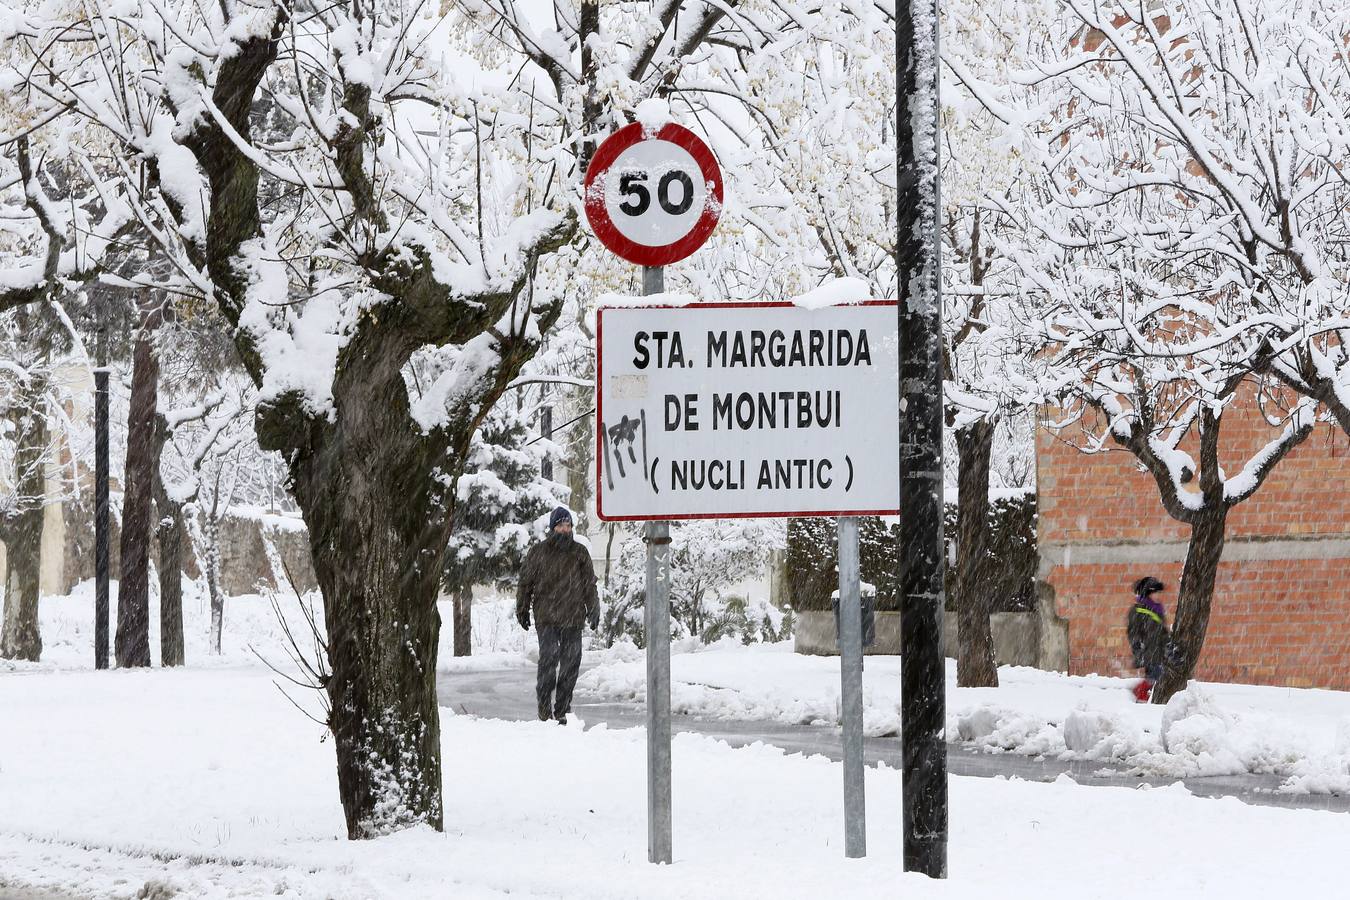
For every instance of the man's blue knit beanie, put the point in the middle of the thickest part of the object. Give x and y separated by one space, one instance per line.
560 514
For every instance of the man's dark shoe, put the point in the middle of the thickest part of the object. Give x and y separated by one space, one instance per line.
562 718
543 714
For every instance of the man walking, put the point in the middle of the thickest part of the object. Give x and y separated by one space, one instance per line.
557 582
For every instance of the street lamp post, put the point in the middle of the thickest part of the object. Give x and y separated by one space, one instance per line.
922 667
101 501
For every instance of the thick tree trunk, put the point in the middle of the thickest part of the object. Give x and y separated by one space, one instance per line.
20 635
133 594
1194 599
463 603
379 584
379 522
169 535
975 663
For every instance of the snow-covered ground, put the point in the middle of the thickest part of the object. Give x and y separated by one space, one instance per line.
205 781
252 633
251 627
1211 729
208 783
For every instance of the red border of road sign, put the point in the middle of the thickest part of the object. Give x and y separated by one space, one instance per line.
598 216
600 417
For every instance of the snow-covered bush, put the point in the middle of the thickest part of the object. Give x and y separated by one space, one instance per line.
1086 728
708 558
1193 722
1201 737
751 619
812 555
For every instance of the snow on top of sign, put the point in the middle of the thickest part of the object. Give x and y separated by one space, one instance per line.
654 114
837 292
668 298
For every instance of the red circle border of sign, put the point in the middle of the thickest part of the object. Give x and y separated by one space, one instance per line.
598 216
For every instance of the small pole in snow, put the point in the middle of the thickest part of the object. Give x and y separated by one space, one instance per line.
656 614
101 504
851 700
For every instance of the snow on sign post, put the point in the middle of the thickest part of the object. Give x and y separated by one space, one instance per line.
728 410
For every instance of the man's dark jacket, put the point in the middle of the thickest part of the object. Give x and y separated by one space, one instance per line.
557 582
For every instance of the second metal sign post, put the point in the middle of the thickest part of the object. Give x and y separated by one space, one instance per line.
656 619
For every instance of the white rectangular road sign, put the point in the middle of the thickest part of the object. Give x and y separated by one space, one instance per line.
724 410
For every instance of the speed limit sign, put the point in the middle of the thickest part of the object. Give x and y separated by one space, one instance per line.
653 195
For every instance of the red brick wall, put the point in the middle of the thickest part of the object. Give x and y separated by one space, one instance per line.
1277 618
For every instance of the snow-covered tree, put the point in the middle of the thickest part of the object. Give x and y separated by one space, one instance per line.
195 359
502 507
25 454
1191 176
988 165
132 644
40 449
209 462
47 247
817 202
357 188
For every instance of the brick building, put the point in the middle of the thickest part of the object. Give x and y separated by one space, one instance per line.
1281 611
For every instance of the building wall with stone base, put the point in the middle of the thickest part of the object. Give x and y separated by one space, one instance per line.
1281 610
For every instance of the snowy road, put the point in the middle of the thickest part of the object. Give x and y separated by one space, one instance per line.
509 694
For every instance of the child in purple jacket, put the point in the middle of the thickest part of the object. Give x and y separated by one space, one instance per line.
1146 627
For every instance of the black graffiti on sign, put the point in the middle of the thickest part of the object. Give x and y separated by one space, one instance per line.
625 437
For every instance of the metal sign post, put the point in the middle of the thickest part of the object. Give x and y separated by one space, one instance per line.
850 689
737 410
653 195
656 618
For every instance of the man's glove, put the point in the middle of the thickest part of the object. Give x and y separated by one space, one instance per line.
523 617
593 619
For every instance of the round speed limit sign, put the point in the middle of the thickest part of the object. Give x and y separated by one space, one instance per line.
653 196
